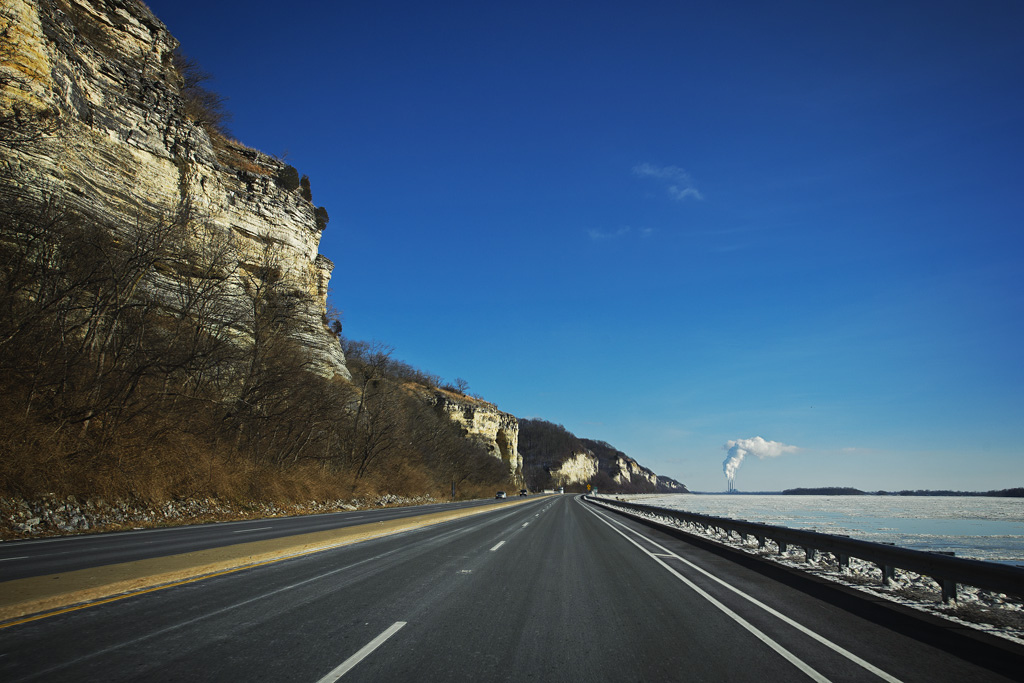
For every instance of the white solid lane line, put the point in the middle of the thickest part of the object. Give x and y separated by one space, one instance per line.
245 531
349 663
757 633
500 543
800 627
23 557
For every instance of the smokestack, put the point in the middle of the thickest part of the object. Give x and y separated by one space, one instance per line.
732 463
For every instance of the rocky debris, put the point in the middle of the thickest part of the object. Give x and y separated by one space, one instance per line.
55 516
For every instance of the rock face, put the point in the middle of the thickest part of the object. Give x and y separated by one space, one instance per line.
497 431
583 466
671 485
128 154
627 472
579 468
554 456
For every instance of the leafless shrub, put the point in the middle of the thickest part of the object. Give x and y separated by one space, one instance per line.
202 105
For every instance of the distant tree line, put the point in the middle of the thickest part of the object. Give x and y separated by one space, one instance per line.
847 491
1000 493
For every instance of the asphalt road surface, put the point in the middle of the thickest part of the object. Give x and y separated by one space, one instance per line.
38 557
551 590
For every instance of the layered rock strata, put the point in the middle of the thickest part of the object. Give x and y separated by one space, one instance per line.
626 470
483 423
120 148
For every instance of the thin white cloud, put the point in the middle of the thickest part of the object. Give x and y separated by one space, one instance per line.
678 181
601 236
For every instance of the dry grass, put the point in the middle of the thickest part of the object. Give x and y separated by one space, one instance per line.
118 397
155 466
236 155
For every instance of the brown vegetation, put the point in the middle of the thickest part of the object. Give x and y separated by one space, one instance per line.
133 365
203 106
150 360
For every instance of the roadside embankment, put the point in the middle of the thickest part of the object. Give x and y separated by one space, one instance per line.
52 515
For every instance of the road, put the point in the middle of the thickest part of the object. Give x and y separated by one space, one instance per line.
553 589
20 559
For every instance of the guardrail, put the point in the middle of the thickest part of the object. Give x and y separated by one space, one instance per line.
948 571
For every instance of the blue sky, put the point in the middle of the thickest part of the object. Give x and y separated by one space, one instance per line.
668 225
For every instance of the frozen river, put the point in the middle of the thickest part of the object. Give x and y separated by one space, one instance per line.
976 527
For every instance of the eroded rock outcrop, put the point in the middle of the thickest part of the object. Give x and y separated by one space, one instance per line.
495 430
125 152
579 468
627 470
554 456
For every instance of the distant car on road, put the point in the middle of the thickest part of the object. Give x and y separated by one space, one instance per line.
501 494
523 492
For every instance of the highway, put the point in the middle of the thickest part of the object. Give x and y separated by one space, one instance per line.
20 559
554 589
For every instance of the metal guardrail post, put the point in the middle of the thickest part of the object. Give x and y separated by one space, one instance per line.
888 572
949 589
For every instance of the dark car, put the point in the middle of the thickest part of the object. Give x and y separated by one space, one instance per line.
523 492
501 494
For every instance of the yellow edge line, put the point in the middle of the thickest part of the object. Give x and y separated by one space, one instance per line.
153 589
194 579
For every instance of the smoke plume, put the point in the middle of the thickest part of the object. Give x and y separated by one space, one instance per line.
740 448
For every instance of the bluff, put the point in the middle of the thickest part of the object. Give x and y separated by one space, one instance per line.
627 472
204 244
119 144
554 456
483 423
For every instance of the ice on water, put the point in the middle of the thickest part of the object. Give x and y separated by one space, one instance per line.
975 527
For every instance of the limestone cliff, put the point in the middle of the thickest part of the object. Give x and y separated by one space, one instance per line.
124 151
578 468
627 472
554 456
495 430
